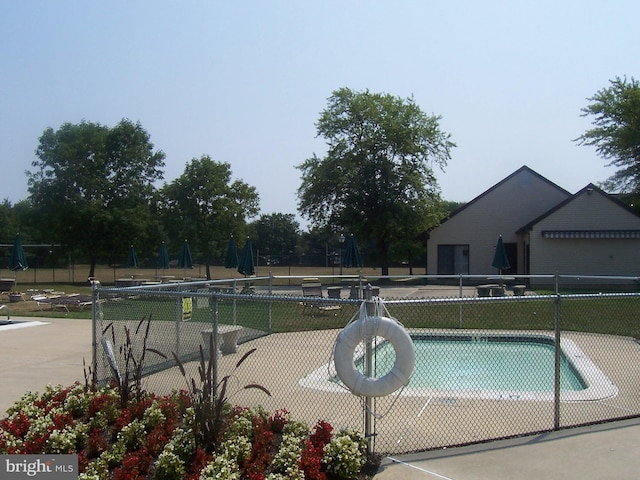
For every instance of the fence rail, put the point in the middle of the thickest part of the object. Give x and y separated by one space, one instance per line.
486 367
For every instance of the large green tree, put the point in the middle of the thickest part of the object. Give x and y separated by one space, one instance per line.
204 206
616 133
93 186
377 179
275 235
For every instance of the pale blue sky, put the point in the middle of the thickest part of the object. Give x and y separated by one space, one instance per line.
245 81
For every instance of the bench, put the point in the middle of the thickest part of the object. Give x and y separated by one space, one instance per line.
497 291
484 290
227 335
334 292
490 290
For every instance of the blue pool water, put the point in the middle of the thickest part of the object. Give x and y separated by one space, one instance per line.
472 362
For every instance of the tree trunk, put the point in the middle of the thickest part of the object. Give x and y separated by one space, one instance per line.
383 252
92 266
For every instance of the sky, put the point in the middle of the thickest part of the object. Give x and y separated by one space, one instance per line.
245 81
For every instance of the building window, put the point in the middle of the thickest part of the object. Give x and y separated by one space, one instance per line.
453 259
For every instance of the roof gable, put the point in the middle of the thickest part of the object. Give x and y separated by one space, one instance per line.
589 189
501 183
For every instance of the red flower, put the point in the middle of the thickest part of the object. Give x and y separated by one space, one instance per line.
36 444
137 409
134 466
159 437
260 457
103 402
83 461
61 420
311 461
200 460
122 421
278 420
96 444
18 427
322 434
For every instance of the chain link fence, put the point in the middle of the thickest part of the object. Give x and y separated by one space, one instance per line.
486 367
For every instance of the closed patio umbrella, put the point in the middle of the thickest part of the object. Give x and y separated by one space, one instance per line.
132 259
352 257
185 256
231 258
246 266
163 257
17 261
500 260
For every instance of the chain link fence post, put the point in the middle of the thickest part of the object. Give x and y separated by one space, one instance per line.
214 349
557 358
368 404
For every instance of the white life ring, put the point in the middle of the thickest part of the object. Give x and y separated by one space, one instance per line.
369 327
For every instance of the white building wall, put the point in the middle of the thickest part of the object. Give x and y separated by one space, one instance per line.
588 211
501 210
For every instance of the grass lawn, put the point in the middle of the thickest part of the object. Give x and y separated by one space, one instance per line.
613 316
597 314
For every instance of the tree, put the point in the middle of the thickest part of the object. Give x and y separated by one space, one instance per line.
376 180
8 225
204 206
616 136
276 234
94 185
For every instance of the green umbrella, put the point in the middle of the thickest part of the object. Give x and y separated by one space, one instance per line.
245 262
17 261
231 259
132 259
352 257
500 260
185 257
163 257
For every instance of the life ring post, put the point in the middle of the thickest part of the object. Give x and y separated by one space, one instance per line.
368 359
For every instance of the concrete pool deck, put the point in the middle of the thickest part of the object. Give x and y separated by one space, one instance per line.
53 351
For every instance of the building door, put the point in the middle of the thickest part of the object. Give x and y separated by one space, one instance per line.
453 259
512 255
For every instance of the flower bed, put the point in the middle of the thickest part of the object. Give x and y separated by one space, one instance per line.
153 438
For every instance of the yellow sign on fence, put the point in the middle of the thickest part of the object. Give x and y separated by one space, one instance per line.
187 307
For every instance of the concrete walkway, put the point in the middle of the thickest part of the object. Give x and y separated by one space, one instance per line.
35 352
601 452
52 351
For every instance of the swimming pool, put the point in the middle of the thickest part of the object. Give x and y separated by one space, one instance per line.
511 366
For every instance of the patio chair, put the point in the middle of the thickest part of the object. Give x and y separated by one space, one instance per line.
314 291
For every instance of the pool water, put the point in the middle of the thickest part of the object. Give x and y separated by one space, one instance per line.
474 363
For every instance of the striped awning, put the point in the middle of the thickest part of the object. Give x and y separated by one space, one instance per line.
592 234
